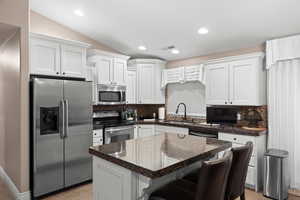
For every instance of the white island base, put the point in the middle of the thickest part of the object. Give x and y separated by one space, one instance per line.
113 182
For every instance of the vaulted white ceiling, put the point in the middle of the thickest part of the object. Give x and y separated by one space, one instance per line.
126 24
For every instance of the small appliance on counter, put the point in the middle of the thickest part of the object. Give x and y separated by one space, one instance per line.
253 116
161 113
221 115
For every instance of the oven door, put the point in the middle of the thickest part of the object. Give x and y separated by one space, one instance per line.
118 134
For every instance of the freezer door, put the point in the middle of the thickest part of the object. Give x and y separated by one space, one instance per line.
78 133
48 151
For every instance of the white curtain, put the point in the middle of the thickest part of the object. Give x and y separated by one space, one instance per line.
284 112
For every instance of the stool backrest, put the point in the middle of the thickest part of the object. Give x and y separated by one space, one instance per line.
238 173
213 177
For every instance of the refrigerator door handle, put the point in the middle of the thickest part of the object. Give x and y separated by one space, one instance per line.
66 118
62 119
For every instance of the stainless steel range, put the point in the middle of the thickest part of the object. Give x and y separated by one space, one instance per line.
115 129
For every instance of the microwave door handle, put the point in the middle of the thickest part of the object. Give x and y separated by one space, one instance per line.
66 118
62 119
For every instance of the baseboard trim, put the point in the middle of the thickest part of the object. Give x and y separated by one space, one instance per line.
12 187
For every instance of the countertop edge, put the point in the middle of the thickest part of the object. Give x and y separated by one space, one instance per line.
164 171
225 129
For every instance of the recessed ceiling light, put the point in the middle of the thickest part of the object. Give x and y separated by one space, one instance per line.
202 30
78 13
142 48
175 51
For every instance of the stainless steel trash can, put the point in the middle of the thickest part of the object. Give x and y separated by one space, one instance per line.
276 176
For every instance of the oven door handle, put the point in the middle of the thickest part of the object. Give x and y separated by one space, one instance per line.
110 130
203 135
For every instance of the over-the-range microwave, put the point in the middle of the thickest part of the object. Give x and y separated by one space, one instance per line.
111 94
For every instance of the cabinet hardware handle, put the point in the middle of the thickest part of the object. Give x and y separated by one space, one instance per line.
234 138
57 72
225 102
64 73
231 102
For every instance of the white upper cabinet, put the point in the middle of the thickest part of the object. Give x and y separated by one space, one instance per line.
149 80
104 68
146 83
119 71
57 57
73 60
217 84
183 74
159 91
131 87
111 68
239 80
91 75
44 57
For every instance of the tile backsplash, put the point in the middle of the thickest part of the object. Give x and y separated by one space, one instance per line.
143 110
243 110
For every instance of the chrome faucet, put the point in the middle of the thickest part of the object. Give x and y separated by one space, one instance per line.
184 109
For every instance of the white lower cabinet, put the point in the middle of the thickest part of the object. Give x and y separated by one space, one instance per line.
170 129
145 131
150 130
118 181
254 178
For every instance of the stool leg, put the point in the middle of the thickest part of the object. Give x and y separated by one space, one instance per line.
242 197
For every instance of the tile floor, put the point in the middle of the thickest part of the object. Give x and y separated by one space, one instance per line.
84 192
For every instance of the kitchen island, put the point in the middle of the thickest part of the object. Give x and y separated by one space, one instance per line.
133 169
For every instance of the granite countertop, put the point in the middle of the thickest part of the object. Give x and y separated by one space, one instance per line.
159 155
203 127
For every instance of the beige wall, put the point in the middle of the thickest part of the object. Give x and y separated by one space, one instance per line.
44 25
16 12
201 59
10 106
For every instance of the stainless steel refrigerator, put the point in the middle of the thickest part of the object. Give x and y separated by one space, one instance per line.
61 134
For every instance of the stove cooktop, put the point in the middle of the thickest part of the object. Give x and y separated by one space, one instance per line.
111 123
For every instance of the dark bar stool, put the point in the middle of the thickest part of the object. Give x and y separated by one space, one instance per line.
212 182
238 173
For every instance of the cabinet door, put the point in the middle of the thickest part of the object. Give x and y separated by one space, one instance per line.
146 84
145 131
119 71
44 57
159 92
131 87
242 82
73 60
217 88
104 66
91 75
